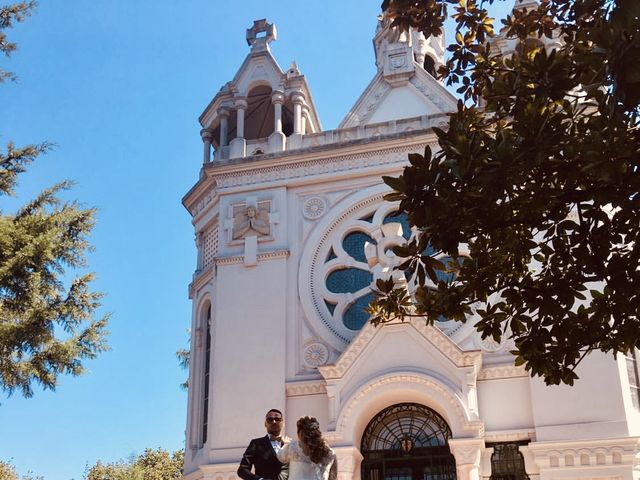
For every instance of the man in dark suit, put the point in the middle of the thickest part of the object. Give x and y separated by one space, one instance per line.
261 452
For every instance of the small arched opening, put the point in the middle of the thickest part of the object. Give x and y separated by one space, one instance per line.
430 65
206 369
259 117
407 441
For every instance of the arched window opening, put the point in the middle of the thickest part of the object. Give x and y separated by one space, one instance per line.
407 441
632 375
207 373
507 462
430 65
529 45
287 118
259 117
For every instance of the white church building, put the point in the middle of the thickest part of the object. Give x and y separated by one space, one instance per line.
292 231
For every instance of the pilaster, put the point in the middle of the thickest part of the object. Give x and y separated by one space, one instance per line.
468 453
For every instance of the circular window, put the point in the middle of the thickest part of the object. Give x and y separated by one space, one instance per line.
341 263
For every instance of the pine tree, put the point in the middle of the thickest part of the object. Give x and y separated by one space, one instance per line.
48 323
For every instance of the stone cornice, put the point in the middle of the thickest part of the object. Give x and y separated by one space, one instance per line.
438 339
316 160
219 471
199 196
200 281
611 452
560 446
312 387
509 436
502 371
312 163
261 257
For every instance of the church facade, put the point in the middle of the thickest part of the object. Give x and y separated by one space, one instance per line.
292 231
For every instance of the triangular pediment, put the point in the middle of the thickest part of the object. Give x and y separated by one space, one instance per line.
258 82
427 340
258 68
382 101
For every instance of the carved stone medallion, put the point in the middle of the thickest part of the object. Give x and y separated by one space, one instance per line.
314 207
315 355
489 344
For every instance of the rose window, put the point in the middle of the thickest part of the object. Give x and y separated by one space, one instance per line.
340 272
353 265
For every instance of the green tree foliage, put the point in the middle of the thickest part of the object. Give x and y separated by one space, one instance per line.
8 472
47 316
151 465
184 356
537 178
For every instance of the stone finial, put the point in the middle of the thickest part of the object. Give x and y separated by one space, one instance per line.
259 42
293 70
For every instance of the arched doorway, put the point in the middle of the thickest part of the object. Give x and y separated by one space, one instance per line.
407 441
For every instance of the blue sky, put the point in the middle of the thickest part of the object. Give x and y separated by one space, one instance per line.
118 85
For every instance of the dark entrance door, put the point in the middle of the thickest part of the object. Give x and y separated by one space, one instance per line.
407 441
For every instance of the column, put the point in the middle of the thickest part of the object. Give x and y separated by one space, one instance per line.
467 452
305 118
207 136
223 113
349 460
199 246
241 106
298 102
277 139
239 144
295 140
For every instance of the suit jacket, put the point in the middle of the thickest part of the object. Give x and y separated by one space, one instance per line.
260 455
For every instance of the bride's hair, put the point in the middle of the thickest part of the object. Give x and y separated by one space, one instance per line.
312 443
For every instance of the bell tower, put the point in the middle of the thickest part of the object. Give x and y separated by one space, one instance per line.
262 109
399 53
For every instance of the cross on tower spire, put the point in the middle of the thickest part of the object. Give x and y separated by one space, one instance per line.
259 42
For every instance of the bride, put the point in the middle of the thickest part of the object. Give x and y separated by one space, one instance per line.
310 457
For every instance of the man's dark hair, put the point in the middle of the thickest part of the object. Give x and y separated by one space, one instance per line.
274 410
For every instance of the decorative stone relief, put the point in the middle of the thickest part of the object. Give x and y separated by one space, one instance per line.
488 344
295 389
619 451
430 94
315 354
502 371
299 169
248 223
250 220
476 428
314 207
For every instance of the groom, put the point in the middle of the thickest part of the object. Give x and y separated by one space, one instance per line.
261 452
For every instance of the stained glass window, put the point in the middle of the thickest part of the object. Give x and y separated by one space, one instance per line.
348 280
507 462
632 375
407 441
207 367
355 279
354 243
403 220
355 316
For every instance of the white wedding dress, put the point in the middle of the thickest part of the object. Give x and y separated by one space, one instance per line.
302 468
